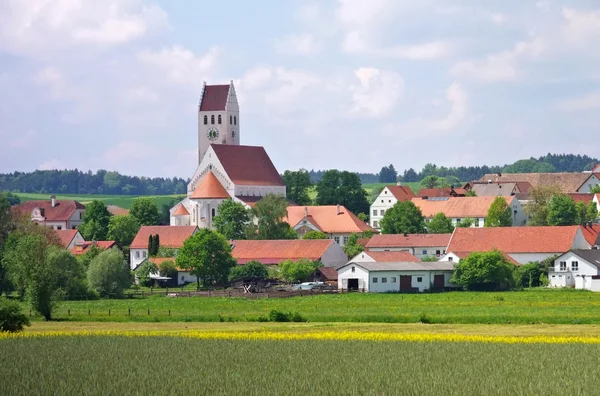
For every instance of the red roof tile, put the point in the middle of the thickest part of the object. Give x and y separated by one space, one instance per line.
329 273
457 207
582 197
410 240
567 182
117 211
434 192
181 211
363 241
401 193
390 257
169 236
591 234
214 98
248 165
327 219
81 248
62 211
66 237
513 239
209 188
274 252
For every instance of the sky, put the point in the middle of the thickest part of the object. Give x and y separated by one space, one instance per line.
347 84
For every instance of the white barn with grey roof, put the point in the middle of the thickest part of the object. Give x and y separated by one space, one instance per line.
578 268
387 277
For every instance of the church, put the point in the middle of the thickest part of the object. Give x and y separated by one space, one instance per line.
225 169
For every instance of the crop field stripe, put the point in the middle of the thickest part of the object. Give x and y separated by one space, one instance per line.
317 336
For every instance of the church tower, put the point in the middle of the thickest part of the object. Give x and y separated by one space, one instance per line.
218 117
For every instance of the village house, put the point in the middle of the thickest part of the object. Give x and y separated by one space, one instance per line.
83 247
578 268
337 222
475 208
500 189
54 213
577 182
397 256
388 197
171 237
273 252
385 277
419 245
591 233
69 238
521 244
442 192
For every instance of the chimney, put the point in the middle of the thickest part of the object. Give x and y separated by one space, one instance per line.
399 184
500 174
305 211
405 235
53 200
338 209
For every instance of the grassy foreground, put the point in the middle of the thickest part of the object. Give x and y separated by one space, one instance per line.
183 365
525 307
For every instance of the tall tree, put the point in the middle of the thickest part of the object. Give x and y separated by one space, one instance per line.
108 273
539 201
388 174
207 255
145 211
343 188
484 271
270 213
299 270
232 219
592 212
562 211
410 176
499 214
431 181
95 221
297 184
440 224
122 229
6 224
403 218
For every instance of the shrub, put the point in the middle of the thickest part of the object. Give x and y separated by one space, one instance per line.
109 273
279 316
11 317
251 270
144 271
484 271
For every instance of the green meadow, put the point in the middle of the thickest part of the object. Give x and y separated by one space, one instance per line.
124 201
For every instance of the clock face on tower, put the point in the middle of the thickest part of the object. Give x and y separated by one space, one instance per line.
212 134
233 134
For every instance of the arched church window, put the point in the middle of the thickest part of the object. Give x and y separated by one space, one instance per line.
231 119
205 120
234 120
219 119
214 212
212 119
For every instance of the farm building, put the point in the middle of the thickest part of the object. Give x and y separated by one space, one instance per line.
171 237
395 276
579 268
275 251
69 238
54 213
387 198
420 245
83 247
385 257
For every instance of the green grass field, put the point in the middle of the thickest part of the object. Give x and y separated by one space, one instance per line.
124 201
177 365
536 306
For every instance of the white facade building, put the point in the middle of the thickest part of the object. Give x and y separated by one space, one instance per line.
389 196
420 245
54 213
578 269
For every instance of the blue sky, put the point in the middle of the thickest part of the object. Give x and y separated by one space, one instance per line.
347 84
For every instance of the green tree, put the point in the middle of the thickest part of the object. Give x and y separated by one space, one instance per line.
6 225
145 211
168 269
71 281
592 212
232 219
315 235
484 271
250 270
144 271
388 174
207 255
297 184
86 258
352 248
12 319
95 221
582 215
298 271
108 273
403 218
122 229
562 211
595 189
499 214
429 259
538 205
471 193
452 181
375 191
465 223
270 213
11 198
431 181
440 224
342 188
530 275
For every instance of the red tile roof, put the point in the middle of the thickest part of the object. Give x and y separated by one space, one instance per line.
591 234
210 188
169 236
363 241
513 239
181 211
582 197
81 248
214 98
62 211
327 219
248 165
329 273
117 211
274 252
401 193
66 237
410 240
434 192
464 255
567 182
390 257
458 207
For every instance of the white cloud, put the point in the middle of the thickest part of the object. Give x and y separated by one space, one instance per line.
458 100
298 44
587 102
378 92
582 27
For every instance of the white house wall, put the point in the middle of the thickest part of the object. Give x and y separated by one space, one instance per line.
359 273
580 277
419 252
589 184
524 258
136 256
385 201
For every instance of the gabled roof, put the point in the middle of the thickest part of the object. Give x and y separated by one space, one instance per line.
248 165
62 210
582 197
214 98
409 240
404 266
83 247
591 233
495 189
117 210
434 192
401 193
592 256
401 256
169 236
513 239
276 251
209 188
66 237
329 273
328 218
181 211
567 182
457 207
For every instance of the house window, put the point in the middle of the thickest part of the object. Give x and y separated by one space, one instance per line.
205 120
382 211
137 254
458 220
563 266
424 252
80 215
212 119
385 191
574 265
382 201
145 254
337 239
231 119
383 280
74 227
389 201
345 240
374 280
437 253
219 119
182 278
353 269
419 279
374 212
450 258
476 223
375 224
59 228
393 279
234 120
214 212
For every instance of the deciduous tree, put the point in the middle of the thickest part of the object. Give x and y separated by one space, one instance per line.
440 224
108 273
539 201
342 188
484 271
270 213
145 211
403 218
315 235
297 184
298 271
499 214
250 270
122 229
95 221
562 211
232 219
